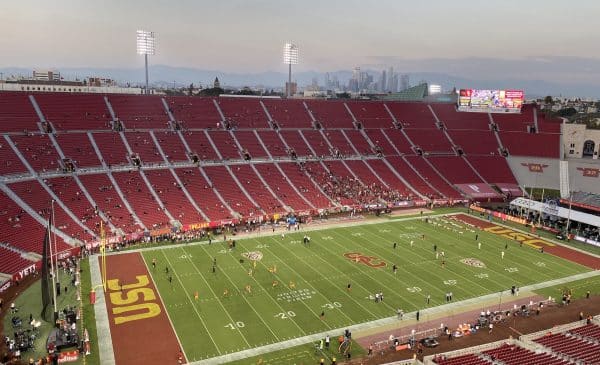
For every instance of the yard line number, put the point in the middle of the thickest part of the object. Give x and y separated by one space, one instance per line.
285 315
332 305
235 325
414 289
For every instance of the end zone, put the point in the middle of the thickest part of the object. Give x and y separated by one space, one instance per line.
135 309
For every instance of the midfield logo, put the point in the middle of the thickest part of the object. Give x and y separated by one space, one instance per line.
371 261
589 172
535 167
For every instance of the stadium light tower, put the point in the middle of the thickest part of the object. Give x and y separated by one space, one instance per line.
290 57
145 46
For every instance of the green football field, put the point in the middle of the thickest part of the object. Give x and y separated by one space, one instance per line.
313 280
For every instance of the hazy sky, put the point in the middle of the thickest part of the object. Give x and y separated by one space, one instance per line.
247 35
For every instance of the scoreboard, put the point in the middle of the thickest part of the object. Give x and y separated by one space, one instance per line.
495 101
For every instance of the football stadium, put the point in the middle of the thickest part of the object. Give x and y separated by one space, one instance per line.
141 226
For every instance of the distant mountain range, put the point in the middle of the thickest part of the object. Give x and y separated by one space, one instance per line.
537 77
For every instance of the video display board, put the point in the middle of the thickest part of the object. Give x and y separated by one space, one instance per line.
496 101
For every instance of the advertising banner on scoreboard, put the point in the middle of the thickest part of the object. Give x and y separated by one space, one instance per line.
495 101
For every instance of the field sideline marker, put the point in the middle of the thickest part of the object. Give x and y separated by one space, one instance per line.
105 345
164 306
381 322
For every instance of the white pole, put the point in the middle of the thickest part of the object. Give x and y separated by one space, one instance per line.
52 263
146 64
569 215
289 88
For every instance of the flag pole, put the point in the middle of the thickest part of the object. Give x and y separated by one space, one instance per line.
55 244
541 207
52 264
103 253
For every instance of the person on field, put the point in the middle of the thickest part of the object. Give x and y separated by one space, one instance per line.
395 245
502 254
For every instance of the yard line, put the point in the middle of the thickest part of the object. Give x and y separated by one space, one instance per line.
190 300
164 306
485 290
345 262
283 262
517 259
379 322
459 247
213 293
500 239
419 279
247 301
332 283
385 273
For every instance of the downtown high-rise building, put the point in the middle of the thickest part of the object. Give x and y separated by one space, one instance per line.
404 82
390 80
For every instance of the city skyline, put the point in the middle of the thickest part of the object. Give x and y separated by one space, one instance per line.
544 40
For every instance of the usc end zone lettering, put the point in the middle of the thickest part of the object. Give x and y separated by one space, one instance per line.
521 237
137 297
370 261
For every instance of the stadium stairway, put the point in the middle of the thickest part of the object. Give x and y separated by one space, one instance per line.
366 173
229 188
274 144
178 182
392 178
330 114
262 144
413 176
293 186
173 197
243 112
260 192
111 208
302 181
446 181
141 198
31 237
157 198
216 193
266 111
278 185
135 216
213 145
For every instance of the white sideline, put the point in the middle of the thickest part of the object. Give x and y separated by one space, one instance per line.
105 345
381 322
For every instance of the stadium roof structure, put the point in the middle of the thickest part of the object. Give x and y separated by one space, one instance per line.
415 93
584 200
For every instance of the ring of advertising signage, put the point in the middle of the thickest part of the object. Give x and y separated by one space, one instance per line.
495 101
